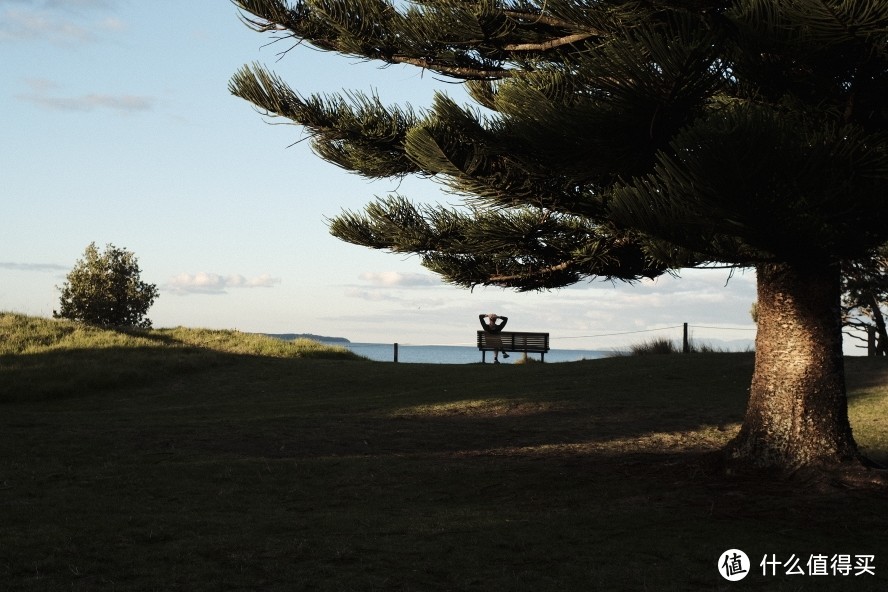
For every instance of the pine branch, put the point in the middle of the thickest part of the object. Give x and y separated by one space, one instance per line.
524 278
331 29
551 44
522 248
460 72
532 18
704 130
360 135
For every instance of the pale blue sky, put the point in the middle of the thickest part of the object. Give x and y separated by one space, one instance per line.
118 128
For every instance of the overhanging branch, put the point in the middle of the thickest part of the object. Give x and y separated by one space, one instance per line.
546 45
509 279
463 72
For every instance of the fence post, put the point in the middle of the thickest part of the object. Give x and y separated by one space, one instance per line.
685 344
396 353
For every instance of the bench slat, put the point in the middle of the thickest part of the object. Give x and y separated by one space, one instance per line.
515 341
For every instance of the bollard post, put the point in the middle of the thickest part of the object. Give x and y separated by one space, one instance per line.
396 353
685 344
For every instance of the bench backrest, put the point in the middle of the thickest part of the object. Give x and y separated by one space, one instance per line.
516 341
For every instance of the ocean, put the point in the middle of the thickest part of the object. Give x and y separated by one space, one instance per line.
459 354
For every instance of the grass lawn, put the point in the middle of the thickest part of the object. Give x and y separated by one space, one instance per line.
185 460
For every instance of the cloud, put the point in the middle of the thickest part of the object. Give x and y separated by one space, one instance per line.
42 94
43 267
384 287
372 295
73 3
92 101
25 25
406 301
389 279
62 22
58 4
41 86
112 24
211 283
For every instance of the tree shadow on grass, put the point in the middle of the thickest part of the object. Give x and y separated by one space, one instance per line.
379 476
73 373
154 359
866 372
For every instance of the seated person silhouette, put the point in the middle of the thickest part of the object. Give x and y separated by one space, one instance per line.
492 329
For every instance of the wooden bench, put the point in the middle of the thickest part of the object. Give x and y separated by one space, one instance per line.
514 341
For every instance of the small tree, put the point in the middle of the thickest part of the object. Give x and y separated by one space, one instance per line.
865 297
105 289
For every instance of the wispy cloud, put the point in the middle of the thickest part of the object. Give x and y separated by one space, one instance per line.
62 22
43 267
71 3
394 286
92 101
112 24
44 93
58 4
212 283
372 295
391 279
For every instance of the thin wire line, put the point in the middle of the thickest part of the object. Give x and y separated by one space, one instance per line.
558 337
463 343
620 333
722 328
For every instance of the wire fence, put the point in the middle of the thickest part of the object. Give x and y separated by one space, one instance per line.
690 337
685 328
683 338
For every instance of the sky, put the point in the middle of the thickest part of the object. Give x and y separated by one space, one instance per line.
118 128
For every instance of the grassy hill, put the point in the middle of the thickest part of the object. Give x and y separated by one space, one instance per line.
205 460
53 358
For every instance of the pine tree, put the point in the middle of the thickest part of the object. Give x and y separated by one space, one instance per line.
624 139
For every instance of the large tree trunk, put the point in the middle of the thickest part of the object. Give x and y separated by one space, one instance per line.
797 415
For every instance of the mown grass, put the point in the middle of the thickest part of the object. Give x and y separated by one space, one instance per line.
44 358
223 471
22 334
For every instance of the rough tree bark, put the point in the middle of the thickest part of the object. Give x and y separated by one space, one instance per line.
797 414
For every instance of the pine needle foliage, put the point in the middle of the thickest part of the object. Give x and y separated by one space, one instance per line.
611 138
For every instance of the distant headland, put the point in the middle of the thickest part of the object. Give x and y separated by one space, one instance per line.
313 337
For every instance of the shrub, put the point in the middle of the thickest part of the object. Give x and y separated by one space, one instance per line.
657 345
661 345
105 289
